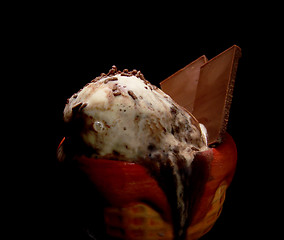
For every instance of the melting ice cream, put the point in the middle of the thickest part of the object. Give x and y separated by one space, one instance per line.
121 116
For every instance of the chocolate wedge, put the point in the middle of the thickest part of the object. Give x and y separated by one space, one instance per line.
206 90
215 91
182 85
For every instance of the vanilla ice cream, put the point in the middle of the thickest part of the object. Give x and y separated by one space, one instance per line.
124 115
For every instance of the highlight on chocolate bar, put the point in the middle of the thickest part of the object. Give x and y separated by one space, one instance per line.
160 159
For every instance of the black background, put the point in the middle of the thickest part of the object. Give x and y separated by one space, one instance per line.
53 60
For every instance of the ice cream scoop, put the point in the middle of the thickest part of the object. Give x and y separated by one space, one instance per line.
121 115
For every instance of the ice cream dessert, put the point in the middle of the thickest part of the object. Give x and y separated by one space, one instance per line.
121 117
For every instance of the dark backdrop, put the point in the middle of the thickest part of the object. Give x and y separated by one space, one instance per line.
59 60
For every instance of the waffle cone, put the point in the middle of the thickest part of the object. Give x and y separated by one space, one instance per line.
139 221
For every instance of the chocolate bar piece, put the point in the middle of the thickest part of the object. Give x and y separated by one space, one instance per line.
182 85
215 91
205 88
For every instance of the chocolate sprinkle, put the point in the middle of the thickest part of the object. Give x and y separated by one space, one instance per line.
126 74
116 93
112 71
132 94
110 79
115 90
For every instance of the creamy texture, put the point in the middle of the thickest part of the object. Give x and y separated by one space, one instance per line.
128 117
122 116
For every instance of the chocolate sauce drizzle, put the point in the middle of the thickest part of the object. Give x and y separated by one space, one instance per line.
166 168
